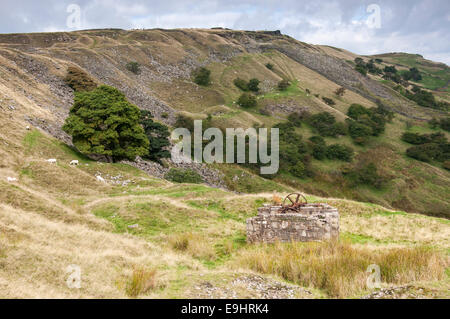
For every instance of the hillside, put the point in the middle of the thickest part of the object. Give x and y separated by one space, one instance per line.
188 240
33 67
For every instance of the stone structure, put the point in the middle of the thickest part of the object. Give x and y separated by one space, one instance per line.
312 222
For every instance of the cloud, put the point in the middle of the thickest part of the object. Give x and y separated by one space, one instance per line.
414 26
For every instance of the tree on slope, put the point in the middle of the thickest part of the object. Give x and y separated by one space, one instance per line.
103 124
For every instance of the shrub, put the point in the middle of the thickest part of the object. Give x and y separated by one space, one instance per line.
361 69
359 132
133 67
241 84
165 115
269 66
253 85
141 281
103 123
319 151
340 152
365 174
202 76
183 121
414 138
247 100
158 136
325 124
298 170
340 91
78 80
356 110
179 175
425 152
296 119
283 85
328 101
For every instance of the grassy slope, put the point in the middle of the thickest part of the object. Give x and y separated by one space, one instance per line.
57 215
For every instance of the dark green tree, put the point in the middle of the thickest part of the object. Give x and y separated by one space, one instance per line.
158 136
103 124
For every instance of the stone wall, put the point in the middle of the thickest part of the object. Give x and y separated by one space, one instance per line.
313 222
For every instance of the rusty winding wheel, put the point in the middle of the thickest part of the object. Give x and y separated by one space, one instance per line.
293 202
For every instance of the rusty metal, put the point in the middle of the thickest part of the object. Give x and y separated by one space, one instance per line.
297 200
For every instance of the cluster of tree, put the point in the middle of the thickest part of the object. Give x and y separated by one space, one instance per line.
78 80
269 66
251 85
247 100
423 98
412 74
363 173
428 147
202 76
365 122
133 67
363 67
443 123
325 124
321 151
104 125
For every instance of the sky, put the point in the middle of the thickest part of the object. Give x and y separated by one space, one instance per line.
363 27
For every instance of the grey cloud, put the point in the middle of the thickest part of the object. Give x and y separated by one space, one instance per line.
415 26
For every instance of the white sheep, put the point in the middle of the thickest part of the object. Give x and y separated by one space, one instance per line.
27 127
52 160
74 162
100 179
11 179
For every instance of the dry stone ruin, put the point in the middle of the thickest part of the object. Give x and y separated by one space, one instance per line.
306 222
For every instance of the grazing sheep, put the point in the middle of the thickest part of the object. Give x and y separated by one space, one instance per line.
52 160
27 127
11 179
74 162
100 179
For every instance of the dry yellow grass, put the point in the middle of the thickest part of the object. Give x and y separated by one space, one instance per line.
340 269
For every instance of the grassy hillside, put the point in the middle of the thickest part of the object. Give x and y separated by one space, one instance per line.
186 240
142 236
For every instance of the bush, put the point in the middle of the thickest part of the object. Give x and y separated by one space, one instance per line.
269 66
78 80
241 84
361 69
359 132
340 152
103 123
296 119
141 281
253 85
328 101
365 174
283 85
298 170
247 100
340 91
325 124
424 152
133 67
319 151
414 138
183 121
356 110
202 76
179 175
